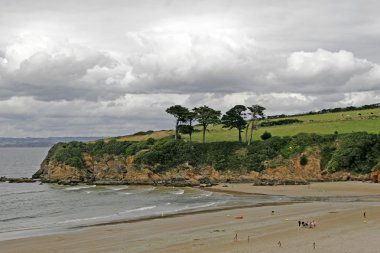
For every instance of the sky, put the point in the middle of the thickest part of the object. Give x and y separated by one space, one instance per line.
112 67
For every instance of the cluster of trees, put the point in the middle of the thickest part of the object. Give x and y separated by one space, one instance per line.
239 117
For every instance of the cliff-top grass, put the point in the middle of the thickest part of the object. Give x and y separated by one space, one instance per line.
326 123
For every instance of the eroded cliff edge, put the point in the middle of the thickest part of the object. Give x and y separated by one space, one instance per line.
290 160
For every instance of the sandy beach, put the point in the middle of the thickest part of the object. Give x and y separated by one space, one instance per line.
341 226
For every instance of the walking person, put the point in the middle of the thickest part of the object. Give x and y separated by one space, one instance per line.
314 245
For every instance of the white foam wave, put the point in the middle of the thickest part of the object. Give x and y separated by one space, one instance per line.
85 219
207 194
204 206
203 195
126 193
118 188
180 192
138 209
149 189
77 188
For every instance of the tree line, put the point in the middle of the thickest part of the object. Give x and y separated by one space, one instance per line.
239 117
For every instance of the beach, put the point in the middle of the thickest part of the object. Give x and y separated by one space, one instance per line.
340 226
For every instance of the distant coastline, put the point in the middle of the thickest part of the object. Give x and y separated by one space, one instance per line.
29 142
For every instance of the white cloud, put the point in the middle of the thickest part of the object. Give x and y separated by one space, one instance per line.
109 68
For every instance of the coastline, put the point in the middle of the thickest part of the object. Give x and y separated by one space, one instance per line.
341 226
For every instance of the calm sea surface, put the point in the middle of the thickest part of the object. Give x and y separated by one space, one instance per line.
29 209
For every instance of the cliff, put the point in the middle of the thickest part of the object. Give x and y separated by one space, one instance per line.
293 160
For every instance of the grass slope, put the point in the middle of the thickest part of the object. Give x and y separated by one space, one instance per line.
328 123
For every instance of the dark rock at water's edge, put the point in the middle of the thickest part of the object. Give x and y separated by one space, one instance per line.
17 180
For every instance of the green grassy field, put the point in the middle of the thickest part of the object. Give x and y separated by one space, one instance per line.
342 122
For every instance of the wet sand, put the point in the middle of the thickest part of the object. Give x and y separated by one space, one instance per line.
341 227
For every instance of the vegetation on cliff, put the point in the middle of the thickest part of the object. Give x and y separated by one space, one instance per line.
297 148
355 152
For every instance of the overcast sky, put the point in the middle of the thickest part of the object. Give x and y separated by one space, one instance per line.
112 67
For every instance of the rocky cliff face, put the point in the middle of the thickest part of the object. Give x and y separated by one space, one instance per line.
121 170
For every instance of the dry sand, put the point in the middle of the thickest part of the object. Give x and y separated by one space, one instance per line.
341 227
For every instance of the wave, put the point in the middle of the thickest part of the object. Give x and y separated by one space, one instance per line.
126 193
85 219
117 189
180 192
187 207
148 189
138 209
18 218
203 195
207 194
204 206
23 192
77 188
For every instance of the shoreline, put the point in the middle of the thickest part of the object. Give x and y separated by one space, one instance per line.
341 226
185 213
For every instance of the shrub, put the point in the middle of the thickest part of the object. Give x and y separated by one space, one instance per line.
150 141
266 135
357 152
70 154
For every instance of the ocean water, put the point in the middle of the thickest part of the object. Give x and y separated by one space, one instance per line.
30 209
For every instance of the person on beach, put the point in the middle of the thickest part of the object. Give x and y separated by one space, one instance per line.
236 238
364 215
299 223
279 244
314 245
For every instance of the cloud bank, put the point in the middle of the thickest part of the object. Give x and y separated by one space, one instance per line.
57 83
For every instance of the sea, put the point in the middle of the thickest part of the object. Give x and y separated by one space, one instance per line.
32 209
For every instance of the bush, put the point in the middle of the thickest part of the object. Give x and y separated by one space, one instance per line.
150 141
266 135
357 152
143 133
112 147
69 154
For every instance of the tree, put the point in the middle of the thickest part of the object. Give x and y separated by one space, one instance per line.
234 119
179 112
256 112
188 128
206 116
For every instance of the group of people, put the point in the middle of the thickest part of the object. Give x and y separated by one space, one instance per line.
307 224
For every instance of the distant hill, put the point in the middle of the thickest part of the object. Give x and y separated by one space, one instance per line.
40 142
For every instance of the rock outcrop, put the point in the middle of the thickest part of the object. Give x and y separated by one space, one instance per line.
17 180
121 170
